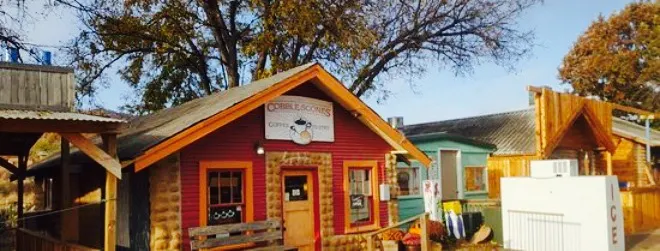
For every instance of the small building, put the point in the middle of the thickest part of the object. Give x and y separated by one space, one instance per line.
565 126
463 173
38 99
297 146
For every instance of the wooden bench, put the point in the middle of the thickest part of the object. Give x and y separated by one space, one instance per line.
258 235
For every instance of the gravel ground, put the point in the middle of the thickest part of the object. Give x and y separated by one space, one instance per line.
646 241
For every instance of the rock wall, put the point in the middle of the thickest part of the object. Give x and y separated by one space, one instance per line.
323 162
390 177
165 204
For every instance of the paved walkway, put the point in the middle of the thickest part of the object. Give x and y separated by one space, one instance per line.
647 241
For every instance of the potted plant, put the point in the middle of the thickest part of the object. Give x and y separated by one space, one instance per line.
412 241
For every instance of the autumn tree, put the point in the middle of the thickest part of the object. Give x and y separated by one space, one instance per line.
175 51
618 58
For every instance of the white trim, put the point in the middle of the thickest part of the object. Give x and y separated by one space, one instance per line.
459 170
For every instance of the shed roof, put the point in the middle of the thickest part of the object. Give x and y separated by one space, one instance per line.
53 115
511 132
152 133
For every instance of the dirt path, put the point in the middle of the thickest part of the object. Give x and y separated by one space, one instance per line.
646 241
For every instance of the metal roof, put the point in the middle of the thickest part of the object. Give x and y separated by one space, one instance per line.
511 132
146 131
634 131
53 115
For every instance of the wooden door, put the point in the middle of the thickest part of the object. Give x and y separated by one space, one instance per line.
298 209
448 169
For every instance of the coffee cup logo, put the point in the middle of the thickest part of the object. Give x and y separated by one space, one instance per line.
301 131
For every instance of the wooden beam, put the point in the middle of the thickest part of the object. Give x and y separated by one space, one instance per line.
110 217
69 226
22 167
634 110
9 166
85 145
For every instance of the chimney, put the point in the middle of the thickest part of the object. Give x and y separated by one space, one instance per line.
395 122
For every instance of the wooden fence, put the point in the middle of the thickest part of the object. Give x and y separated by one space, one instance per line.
641 209
30 241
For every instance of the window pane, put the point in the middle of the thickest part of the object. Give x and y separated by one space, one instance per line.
225 188
362 215
295 188
360 199
408 180
474 179
213 188
225 215
237 187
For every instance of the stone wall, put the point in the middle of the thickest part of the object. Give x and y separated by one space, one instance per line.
165 204
390 178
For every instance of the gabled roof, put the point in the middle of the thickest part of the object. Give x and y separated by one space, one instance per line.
452 137
511 132
150 138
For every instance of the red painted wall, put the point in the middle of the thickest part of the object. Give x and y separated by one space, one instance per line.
235 142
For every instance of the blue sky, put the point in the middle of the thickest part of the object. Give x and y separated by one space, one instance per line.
438 94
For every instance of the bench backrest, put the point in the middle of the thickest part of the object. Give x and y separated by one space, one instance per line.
259 231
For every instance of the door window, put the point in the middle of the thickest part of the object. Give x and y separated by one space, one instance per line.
295 188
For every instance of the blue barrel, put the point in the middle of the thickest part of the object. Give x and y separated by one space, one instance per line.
13 55
46 58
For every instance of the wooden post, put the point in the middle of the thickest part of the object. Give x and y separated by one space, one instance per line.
22 167
110 219
69 225
425 231
608 159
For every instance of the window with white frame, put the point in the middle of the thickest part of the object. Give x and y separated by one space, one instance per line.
409 179
360 189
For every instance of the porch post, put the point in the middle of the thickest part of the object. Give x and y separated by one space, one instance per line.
22 167
67 230
110 219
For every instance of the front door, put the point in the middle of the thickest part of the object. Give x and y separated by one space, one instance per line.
298 209
448 170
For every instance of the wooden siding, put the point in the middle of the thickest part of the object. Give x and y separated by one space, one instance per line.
235 142
506 166
36 87
641 209
556 113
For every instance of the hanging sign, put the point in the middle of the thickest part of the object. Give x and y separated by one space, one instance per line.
299 119
357 201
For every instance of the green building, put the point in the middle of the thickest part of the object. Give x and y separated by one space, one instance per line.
458 161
